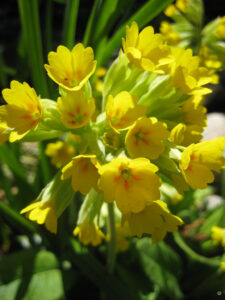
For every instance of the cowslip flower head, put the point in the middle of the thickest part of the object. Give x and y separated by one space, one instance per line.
84 172
218 235
60 153
145 50
198 161
122 110
155 219
23 110
131 183
89 233
75 110
145 138
71 69
50 204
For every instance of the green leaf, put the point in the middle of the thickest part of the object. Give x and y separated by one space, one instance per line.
30 275
144 15
162 266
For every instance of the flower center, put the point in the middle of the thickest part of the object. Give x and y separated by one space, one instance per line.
125 174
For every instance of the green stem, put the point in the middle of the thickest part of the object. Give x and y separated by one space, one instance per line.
193 255
112 242
16 220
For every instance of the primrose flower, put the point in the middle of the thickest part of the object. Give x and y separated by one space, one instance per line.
222 266
89 233
220 30
84 172
122 110
144 138
75 110
145 50
122 234
71 69
50 204
131 183
23 110
187 73
218 235
111 139
60 153
155 219
166 29
198 161
184 135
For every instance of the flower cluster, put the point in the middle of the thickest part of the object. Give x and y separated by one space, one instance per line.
148 133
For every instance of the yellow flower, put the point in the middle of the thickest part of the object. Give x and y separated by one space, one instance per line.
184 135
50 204
168 33
222 266
170 10
122 110
84 172
198 160
220 30
23 110
182 5
131 183
100 73
145 50
155 219
75 110
71 69
111 139
218 235
187 73
144 138
42 213
89 233
60 152
122 233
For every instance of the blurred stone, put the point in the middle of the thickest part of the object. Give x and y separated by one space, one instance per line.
215 126
212 201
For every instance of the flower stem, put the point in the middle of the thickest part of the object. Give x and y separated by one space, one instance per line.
112 242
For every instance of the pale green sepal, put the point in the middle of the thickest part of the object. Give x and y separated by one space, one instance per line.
58 192
90 207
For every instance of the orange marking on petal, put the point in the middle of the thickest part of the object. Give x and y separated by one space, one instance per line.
126 185
117 111
79 74
136 177
147 132
85 114
85 168
117 178
193 157
70 114
136 143
189 168
78 109
145 141
27 117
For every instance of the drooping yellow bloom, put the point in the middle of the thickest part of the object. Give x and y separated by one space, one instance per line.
50 203
145 50
23 110
75 110
89 233
42 213
170 10
71 69
198 161
218 235
122 110
60 153
182 5
185 135
220 30
131 183
111 139
187 73
195 113
122 234
155 219
145 138
168 33
84 172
